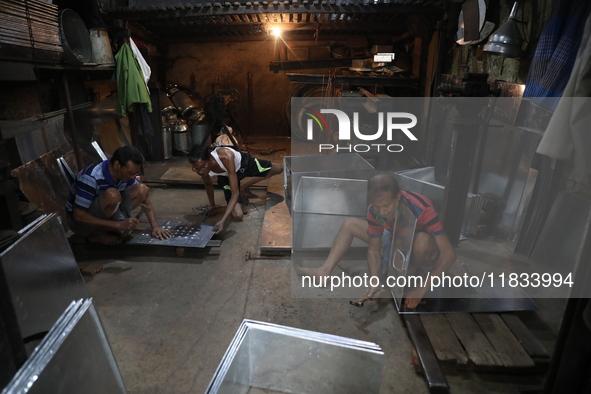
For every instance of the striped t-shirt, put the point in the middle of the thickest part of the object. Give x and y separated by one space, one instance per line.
90 183
421 206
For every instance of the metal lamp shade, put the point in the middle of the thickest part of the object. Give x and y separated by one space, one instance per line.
506 41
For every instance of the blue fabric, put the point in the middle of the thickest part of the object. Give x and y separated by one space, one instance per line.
556 52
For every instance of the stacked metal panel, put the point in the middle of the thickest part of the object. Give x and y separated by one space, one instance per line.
291 360
42 275
73 357
30 24
422 181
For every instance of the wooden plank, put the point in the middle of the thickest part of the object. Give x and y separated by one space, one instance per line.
435 377
276 231
524 336
510 351
443 339
479 349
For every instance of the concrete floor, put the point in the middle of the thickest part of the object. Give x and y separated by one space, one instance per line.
170 319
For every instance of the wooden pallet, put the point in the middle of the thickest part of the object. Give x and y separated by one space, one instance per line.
484 341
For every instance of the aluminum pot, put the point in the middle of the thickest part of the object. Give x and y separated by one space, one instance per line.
75 38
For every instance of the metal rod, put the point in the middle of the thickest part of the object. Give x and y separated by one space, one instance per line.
70 113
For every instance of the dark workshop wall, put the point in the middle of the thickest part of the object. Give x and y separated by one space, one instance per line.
471 58
227 64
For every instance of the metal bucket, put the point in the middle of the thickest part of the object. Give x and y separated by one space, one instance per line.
199 131
182 141
75 38
101 47
167 141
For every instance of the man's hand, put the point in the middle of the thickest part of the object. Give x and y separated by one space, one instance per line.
413 297
374 292
210 211
160 233
219 227
127 224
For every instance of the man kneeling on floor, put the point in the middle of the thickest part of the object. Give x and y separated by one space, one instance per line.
431 249
230 166
103 196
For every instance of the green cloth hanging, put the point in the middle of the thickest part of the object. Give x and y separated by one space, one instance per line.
130 81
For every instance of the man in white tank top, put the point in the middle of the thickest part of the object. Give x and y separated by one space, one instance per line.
230 166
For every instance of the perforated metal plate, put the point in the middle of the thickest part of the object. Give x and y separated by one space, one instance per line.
185 234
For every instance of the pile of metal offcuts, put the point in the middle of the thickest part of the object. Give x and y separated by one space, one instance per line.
291 360
184 234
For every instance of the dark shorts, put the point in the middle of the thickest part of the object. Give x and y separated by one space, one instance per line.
249 167
96 209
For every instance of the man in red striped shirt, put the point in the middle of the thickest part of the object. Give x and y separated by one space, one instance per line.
431 248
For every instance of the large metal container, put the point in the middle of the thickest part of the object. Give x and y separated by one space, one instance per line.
181 137
340 165
181 101
321 205
75 38
199 132
422 181
276 358
101 47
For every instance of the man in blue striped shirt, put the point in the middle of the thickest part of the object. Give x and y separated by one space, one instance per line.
103 196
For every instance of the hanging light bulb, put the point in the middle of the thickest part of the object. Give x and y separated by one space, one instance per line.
506 41
276 31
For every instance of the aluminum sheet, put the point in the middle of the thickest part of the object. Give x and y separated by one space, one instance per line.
38 142
401 249
422 181
321 205
563 237
341 165
185 234
42 275
486 298
75 354
285 359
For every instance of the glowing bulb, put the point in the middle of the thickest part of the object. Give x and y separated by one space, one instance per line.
276 31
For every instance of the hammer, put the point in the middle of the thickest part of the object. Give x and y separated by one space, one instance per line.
361 301
143 208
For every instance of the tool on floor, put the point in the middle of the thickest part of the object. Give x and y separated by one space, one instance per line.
361 301
143 208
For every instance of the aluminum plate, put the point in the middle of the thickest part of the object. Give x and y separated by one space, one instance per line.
185 234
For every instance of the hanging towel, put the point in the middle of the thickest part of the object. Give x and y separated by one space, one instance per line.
144 68
556 52
569 128
131 86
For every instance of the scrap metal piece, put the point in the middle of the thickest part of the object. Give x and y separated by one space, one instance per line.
184 234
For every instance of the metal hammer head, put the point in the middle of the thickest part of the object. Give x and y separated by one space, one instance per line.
360 302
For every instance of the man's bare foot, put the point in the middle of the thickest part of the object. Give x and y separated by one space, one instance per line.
104 238
245 192
317 272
